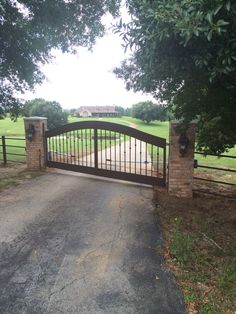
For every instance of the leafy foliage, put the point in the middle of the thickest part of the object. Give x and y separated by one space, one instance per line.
72 112
128 112
147 111
29 30
49 109
184 53
120 109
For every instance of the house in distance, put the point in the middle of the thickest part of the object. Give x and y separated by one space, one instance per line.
97 111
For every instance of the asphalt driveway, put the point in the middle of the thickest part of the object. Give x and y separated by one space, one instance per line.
74 244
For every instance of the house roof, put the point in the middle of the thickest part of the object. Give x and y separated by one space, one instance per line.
98 109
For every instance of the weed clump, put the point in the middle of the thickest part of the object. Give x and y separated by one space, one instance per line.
181 247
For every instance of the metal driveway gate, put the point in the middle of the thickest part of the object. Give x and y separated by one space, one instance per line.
109 150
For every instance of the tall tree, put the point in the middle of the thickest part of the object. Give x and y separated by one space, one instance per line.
49 109
128 112
184 53
120 109
29 30
147 111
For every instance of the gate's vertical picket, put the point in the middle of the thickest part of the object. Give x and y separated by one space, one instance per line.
96 148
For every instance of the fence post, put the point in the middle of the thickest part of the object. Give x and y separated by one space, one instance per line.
35 145
4 151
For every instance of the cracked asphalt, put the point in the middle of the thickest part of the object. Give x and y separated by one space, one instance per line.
77 244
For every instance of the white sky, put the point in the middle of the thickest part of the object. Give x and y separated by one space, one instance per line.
86 79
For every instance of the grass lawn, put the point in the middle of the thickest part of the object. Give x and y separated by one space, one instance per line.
122 120
11 128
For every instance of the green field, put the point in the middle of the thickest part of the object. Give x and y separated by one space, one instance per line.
161 129
13 129
10 128
123 120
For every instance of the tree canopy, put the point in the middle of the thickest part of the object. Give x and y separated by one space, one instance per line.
29 30
147 111
49 109
120 110
184 53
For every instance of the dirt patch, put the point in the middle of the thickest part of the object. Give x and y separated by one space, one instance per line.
133 125
13 174
228 189
11 168
200 249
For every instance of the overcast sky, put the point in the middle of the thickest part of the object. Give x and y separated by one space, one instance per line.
86 79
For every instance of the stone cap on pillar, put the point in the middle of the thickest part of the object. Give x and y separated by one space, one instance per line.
35 118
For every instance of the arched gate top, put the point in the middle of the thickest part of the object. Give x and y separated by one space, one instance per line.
109 126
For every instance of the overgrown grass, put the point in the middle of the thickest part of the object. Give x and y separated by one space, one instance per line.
206 269
181 247
226 279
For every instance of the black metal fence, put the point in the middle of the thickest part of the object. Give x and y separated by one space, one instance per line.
215 173
12 149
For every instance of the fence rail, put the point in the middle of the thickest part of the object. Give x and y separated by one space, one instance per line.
225 156
10 152
216 168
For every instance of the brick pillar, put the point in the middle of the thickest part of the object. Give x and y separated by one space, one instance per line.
180 178
35 150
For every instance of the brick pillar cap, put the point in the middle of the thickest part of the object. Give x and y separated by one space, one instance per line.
35 118
179 122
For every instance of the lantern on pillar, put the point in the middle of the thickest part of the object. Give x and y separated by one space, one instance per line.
183 144
30 132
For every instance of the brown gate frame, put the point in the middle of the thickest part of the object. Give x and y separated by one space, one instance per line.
113 127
